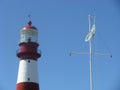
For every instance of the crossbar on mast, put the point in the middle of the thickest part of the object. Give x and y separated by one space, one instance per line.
86 53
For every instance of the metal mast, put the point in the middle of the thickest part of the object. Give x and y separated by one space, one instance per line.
90 56
90 38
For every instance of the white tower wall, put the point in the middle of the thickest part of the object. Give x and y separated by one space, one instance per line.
27 71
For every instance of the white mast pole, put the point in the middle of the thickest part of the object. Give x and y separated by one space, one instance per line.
90 55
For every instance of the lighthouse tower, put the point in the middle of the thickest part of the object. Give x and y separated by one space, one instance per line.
28 54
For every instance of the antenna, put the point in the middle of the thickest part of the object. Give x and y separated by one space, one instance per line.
89 21
90 38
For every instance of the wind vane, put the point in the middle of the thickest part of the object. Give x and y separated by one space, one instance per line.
29 16
90 38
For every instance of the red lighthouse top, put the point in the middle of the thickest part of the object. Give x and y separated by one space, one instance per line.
29 26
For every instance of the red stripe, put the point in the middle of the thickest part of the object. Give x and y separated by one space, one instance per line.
28 50
27 86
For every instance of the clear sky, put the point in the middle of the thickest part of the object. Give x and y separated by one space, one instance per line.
63 25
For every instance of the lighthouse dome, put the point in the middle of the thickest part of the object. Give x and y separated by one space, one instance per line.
29 26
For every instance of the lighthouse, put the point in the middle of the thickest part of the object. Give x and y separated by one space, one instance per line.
28 55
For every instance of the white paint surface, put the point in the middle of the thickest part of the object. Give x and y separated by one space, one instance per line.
27 70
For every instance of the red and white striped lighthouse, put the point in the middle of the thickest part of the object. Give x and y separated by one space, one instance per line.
28 54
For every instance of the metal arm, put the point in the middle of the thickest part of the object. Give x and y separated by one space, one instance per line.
86 53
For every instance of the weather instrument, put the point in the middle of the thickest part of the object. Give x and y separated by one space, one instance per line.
89 38
90 34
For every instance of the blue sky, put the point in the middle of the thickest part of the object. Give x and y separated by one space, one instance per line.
63 25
